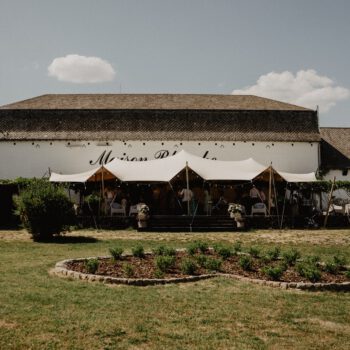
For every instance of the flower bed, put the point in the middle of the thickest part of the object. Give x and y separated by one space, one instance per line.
165 265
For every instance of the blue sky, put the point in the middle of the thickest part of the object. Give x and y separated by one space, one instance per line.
296 51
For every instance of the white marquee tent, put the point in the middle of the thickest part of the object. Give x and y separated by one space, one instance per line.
164 170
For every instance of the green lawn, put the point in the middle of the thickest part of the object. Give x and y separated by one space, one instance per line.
38 311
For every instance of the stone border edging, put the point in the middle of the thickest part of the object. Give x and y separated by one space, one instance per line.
61 270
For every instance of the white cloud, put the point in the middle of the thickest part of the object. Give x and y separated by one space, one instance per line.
81 69
306 88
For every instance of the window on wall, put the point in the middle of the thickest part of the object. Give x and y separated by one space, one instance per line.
345 172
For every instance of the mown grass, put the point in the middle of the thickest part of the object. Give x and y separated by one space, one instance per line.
38 311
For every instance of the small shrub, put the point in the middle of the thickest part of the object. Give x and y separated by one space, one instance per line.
340 260
128 269
202 246
159 250
170 251
196 246
224 252
44 209
254 251
309 271
165 263
275 273
274 253
347 273
201 260
291 256
191 249
331 267
237 247
312 260
213 264
337 263
163 250
116 252
188 267
91 265
158 273
245 262
138 251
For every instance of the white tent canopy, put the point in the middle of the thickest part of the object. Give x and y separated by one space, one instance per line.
164 170
290 177
96 174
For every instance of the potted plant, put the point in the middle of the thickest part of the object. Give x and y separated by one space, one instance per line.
237 212
142 216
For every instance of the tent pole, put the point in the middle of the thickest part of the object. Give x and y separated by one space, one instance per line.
188 188
329 203
284 206
270 184
275 195
103 189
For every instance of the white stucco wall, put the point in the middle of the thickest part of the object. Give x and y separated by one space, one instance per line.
32 159
338 175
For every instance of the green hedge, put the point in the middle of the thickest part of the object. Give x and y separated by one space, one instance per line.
44 209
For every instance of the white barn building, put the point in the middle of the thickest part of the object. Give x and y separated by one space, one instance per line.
75 132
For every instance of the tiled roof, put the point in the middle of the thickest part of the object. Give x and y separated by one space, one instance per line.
335 148
152 101
159 125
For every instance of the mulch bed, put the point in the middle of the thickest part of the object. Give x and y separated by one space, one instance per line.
146 268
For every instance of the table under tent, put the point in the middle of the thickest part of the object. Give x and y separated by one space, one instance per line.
212 184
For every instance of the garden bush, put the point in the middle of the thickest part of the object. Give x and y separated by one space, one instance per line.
158 273
331 267
213 264
44 209
93 201
163 250
116 252
201 260
274 253
224 252
138 251
91 265
197 246
254 251
188 267
128 270
237 247
340 260
291 256
309 271
274 272
347 273
337 263
165 263
245 262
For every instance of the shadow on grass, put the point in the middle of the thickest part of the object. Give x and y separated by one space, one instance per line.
67 239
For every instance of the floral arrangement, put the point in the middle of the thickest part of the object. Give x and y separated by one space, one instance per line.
144 209
235 208
142 216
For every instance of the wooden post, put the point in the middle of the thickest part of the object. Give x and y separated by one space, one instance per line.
329 203
270 190
188 188
103 190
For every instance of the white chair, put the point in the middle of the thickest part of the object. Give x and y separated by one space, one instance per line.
259 208
133 210
118 209
347 209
